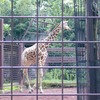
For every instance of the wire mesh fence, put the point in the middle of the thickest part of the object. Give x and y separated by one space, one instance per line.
72 67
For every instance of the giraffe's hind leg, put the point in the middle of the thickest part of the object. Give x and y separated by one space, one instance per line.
27 78
24 74
40 77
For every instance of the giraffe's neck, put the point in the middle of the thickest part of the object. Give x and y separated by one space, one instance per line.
52 35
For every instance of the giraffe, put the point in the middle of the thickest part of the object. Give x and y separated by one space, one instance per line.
38 52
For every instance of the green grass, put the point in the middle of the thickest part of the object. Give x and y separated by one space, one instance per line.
53 83
58 83
7 87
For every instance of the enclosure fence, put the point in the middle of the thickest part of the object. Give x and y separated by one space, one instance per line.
84 48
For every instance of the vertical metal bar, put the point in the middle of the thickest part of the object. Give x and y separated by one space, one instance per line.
37 49
62 52
1 54
11 50
76 46
82 38
91 58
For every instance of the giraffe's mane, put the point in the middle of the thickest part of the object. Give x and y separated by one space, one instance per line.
54 28
50 32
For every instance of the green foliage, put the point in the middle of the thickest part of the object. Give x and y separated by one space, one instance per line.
7 30
28 8
49 75
5 7
19 30
24 7
68 74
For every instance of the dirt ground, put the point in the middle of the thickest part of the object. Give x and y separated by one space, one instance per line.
42 97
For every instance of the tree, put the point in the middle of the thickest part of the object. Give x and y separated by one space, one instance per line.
28 8
24 8
5 7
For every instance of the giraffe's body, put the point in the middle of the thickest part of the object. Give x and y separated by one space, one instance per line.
29 55
38 52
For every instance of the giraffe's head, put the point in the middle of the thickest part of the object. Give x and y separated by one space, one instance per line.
65 25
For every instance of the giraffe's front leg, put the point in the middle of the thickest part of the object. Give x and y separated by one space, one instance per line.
40 80
42 63
30 88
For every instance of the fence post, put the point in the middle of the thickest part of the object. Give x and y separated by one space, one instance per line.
91 48
21 46
20 63
1 54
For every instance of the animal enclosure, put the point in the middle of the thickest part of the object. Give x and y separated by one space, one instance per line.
50 48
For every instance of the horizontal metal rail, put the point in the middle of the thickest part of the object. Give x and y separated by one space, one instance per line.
51 94
49 41
76 17
46 67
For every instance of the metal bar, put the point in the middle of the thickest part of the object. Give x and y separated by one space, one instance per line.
75 26
50 42
1 54
52 94
91 55
37 48
11 70
62 50
71 17
47 67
